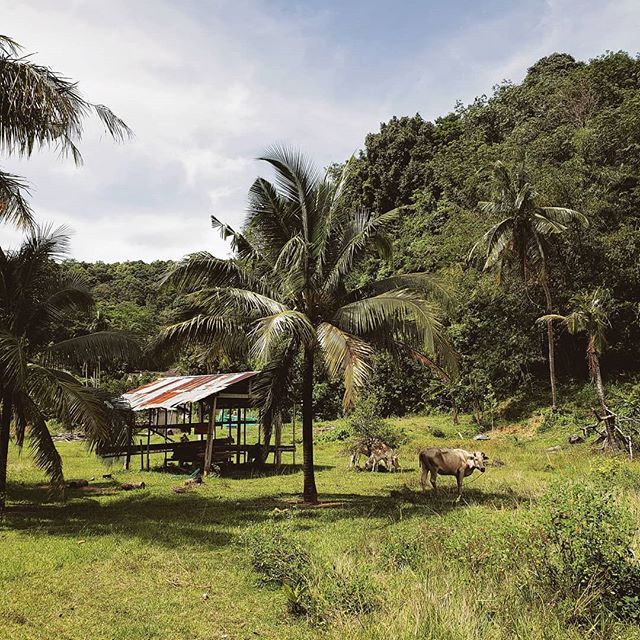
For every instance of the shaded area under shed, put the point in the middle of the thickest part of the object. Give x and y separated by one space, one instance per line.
218 409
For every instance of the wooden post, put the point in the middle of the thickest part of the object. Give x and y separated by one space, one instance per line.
141 455
238 438
211 431
166 429
149 441
127 455
293 433
244 436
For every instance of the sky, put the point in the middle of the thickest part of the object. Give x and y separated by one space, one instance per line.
207 86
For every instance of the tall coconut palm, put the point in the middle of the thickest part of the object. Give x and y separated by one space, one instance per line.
39 108
35 384
286 291
523 236
590 316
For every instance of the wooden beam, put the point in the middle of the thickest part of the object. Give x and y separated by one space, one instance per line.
208 452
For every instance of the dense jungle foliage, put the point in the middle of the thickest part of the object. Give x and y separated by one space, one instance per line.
575 128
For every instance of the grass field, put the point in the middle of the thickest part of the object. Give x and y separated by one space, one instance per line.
108 564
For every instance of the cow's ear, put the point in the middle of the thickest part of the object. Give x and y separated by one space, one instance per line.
485 456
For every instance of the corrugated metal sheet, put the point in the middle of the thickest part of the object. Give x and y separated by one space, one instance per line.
173 391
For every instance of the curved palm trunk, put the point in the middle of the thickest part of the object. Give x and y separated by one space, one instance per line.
596 376
310 493
5 424
551 347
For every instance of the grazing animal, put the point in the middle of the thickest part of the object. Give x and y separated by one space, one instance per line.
376 452
449 462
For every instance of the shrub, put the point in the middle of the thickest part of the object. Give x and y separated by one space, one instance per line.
587 555
344 588
366 425
338 434
277 555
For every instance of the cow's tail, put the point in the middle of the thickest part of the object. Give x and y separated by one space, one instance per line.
422 459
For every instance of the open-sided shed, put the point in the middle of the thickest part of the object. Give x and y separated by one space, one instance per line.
213 407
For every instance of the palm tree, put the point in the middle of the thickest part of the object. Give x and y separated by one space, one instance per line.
34 382
287 291
590 316
39 108
523 236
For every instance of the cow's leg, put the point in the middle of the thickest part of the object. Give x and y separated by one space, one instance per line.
423 478
459 478
434 477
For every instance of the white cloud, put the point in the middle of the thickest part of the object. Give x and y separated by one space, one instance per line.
208 86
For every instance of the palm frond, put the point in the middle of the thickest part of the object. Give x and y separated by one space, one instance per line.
13 360
272 218
110 345
493 243
363 228
70 294
270 331
59 394
296 178
547 226
271 389
241 302
8 46
115 126
203 269
207 333
14 207
347 356
41 108
565 216
43 448
400 313
424 283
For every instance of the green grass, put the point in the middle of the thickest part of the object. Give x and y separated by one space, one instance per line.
153 564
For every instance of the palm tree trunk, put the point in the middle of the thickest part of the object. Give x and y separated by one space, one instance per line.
310 493
5 425
596 376
551 347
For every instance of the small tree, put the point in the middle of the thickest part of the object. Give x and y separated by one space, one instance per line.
367 425
35 384
590 316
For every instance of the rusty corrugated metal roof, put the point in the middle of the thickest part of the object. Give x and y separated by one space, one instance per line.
173 391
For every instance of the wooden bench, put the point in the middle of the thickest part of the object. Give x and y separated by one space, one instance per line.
193 451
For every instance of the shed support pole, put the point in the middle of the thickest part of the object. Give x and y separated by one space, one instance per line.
127 456
211 429
238 436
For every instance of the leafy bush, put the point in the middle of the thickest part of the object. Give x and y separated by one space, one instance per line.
345 588
277 555
366 425
588 556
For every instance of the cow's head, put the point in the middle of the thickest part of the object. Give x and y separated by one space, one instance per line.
476 460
